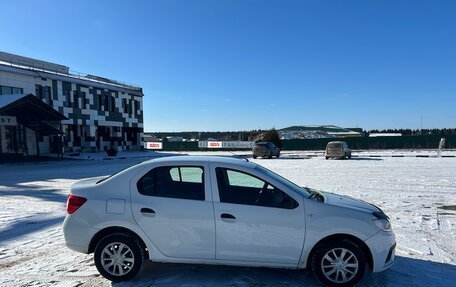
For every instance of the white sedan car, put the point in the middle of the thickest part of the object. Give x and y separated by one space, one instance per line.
220 210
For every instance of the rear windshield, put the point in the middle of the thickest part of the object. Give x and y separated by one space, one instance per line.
108 177
335 145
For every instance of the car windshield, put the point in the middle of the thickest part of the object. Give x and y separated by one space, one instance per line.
301 190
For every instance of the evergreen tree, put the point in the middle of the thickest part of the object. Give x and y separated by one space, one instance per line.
273 136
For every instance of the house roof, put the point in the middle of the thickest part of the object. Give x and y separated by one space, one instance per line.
28 108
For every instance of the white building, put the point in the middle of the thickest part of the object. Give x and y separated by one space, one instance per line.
100 112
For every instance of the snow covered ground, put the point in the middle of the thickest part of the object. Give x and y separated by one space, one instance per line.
411 190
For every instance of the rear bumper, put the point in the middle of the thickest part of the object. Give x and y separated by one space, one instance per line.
77 234
383 249
262 153
335 155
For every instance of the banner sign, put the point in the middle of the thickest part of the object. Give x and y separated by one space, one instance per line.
226 144
153 145
7 121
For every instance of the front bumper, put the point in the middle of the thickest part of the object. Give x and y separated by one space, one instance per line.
383 249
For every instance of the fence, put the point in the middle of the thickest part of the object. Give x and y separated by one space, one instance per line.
366 143
363 143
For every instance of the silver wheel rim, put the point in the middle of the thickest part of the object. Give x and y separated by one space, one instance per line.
339 265
117 259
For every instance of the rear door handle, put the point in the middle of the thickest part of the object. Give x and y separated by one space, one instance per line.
227 216
147 211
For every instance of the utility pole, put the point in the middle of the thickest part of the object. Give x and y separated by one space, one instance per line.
421 121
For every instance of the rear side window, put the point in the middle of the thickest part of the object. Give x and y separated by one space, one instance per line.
186 182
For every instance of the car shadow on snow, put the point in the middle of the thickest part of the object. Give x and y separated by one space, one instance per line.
26 226
167 274
405 272
52 195
366 158
413 272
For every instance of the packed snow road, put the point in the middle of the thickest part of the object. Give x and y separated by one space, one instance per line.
419 194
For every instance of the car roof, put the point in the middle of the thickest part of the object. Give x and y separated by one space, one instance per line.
336 142
202 158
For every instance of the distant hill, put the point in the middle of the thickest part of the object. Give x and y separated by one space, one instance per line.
313 132
324 128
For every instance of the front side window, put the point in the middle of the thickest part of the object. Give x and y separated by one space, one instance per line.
242 188
186 182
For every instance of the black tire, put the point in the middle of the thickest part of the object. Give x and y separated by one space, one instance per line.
270 155
254 156
278 155
136 253
327 157
319 260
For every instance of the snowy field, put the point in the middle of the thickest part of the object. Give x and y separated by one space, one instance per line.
419 194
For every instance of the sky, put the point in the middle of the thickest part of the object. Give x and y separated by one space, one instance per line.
242 65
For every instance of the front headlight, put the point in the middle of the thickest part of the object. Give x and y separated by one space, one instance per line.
382 221
384 224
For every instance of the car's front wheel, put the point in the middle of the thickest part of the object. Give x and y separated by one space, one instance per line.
119 257
339 263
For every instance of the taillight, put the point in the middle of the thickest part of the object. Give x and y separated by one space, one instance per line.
74 202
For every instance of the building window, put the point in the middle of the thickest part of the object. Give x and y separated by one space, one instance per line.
106 103
130 107
136 107
66 94
100 103
84 100
39 91
113 104
76 99
124 105
47 94
17 90
6 90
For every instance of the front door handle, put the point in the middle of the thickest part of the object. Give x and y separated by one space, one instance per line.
227 216
149 211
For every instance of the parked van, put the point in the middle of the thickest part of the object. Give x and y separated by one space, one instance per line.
338 150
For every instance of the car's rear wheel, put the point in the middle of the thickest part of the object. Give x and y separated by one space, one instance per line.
254 156
339 263
119 257
270 154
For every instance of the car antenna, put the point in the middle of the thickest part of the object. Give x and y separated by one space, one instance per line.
239 156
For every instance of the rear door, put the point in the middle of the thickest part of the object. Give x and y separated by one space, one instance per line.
255 220
173 205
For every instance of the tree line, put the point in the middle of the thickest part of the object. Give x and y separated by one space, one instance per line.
410 132
254 134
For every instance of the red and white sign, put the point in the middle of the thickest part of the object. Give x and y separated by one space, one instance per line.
153 145
214 144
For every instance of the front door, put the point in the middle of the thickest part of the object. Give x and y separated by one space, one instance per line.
255 221
173 206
